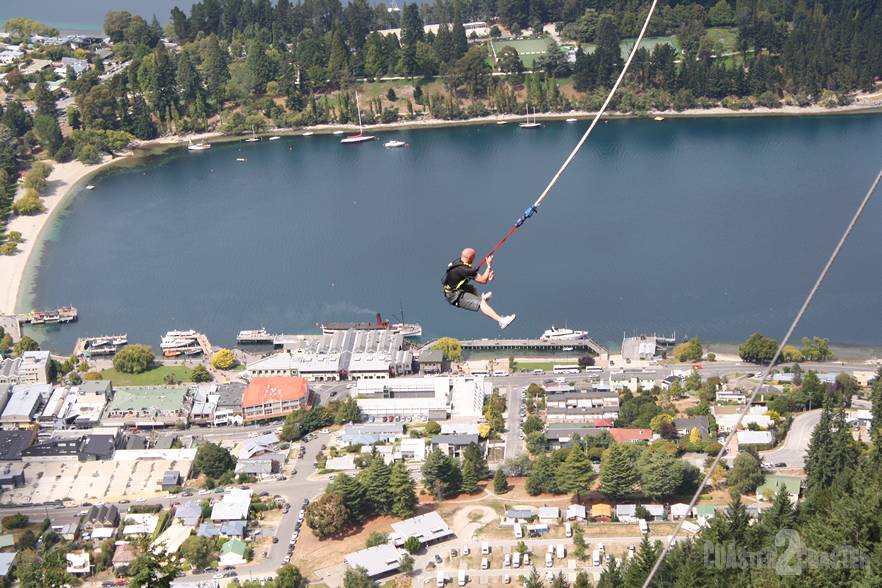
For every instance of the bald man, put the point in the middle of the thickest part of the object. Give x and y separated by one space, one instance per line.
459 292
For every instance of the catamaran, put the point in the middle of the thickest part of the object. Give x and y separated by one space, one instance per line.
197 146
360 137
530 125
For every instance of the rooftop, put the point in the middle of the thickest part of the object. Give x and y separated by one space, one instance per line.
377 560
148 399
427 527
275 389
630 435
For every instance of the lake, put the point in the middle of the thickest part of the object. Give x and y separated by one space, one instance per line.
706 227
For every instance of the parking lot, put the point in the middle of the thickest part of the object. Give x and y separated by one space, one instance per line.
92 480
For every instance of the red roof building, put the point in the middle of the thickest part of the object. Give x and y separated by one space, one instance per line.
267 398
603 423
630 435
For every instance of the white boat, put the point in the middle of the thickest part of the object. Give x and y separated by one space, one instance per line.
360 137
338 132
393 144
90 187
658 118
274 138
308 134
572 120
502 122
528 124
121 340
555 334
197 146
254 336
253 138
241 159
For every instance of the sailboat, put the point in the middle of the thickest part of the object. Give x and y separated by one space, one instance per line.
360 137
530 125
253 138
197 146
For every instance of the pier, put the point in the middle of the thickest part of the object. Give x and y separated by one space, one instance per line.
586 344
103 345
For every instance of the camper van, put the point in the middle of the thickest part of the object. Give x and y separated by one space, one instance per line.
485 548
516 560
485 563
519 532
644 528
440 578
526 559
568 529
549 559
506 560
561 551
462 578
595 557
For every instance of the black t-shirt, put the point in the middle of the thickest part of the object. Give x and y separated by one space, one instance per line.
457 271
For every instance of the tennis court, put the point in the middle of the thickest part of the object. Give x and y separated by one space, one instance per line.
528 49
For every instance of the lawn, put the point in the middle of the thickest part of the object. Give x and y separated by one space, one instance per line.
534 365
727 37
649 43
528 49
154 377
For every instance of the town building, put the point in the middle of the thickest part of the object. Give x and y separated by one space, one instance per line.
232 553
626 513
14 442
747 438
728 395
23 406
274 397
85 403
431 361
632 380
379 561
148 407
630 435
601 512
9 370
34 367
140 524
233 506
229 404
369 433
454 445
103 516
432 398
560 436
576 512
412 449
11 476
124 555
684 426
679 511
189 513
78 563
429 528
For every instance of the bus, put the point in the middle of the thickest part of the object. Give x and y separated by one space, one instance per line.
593 369
566 369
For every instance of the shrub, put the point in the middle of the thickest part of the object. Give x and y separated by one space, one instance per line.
223 359
16 521
133 359
28 205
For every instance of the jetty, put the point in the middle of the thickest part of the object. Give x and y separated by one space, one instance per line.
522 345
98 346
189 342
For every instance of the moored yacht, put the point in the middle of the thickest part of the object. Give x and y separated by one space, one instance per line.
556 334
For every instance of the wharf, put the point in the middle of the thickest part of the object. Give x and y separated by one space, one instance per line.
586 344
87 345
12 325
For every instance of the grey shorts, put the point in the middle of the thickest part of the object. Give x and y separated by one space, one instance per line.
467 298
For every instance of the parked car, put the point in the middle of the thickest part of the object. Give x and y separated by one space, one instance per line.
438 559
123 501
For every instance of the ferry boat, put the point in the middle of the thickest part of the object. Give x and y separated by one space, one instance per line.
197 146
360 137
394 144
406 329
174 343
254 336
65 314
555 334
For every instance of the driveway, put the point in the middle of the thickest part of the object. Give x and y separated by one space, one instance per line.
795 446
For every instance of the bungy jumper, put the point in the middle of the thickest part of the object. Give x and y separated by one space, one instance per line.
459 293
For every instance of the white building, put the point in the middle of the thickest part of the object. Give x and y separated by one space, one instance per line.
428 528
413 449
233 506
433 397
377 561
34 368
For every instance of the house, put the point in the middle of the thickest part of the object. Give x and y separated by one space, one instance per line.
8 366
233 528
630 435
601 512
274 397
731 396
412 449
580 414
743 438
85 403
684 426
669 381
259 467
560 436
576 512
98 534
549 514
679 511
726 422
656 511
97 447
124 555
170 479
514 516
706 511
232 553
6 560
626 513
260 446
369 434
428 528
769 487
340 464
233 506
77 65
432 361
453 445
106 515
208 530
34 367
140 524
378 561
78 563
172 538
228 410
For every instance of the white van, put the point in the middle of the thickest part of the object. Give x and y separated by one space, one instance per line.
440 579
485 563
515 560
485 548
568 529
462 578
465 549
549 560
595 557
499 373
561 551
526 559
519 533
506 561
644 528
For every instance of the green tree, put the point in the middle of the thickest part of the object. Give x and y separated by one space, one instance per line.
412 545
459 43
28 205
688 351
216 71
24 344
357 578
473 71
376 538
451 348
721 14
618 472
261 68
582 580
661 474
347 412
533 580
199 551
328 516
533 424
758 349
377 480
154 570
469 483
580 546
354 495
560 581
406 564
500 482
746 473
289 576
474 454
816 349
638 569
432 428
188 79
223 359
201 374
575 474
48 133
44 99
441 474
116 23
543 475
133 359
214 460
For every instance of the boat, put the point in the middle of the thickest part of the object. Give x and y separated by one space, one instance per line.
253 138
172 353
64 314
254 336
502 122
338 132
406 329
178 340
308 134
530 125
572 120
241 159
197 146
393 144
274 138
360 137
555 334
121 340
192 351
658 118
90 187
566 348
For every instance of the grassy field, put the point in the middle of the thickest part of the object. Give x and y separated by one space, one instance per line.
534 365
528 49
154 377
649 43
726 37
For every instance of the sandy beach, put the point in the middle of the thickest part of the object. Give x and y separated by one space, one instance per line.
66 176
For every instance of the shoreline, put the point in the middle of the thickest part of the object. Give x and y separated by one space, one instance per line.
68 178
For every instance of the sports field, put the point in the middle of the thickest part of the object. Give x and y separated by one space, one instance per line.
528 49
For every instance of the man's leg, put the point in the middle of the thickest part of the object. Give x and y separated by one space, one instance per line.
488 310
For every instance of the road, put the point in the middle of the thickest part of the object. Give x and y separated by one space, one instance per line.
513 444
795 446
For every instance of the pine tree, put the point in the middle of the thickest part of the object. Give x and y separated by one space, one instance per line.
579 543
533 580
376 479
876 411
338 61
261 68
638 568
575 473
216 71
582 580
459 43
44 100
189 83
737 521
611 575
618 474
473 453
401 489
352 492
500 482
443 43
560 581
780 515
469 483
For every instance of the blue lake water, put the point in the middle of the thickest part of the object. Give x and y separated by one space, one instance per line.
712 227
